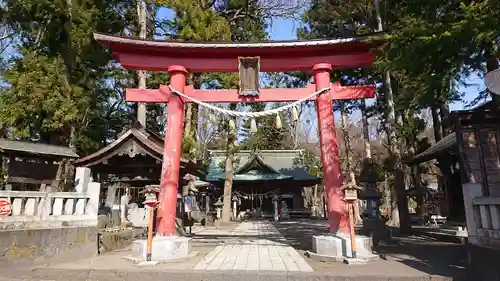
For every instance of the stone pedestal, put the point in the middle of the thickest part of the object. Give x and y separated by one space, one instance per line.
164 248
93 190
338 247
82 179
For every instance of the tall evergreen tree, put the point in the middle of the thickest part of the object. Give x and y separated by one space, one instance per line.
56 90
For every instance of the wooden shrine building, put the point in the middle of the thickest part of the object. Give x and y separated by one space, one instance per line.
131 162
28 166
476 145
448 202
466 155
261 174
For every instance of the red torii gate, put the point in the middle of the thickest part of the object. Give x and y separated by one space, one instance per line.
176 57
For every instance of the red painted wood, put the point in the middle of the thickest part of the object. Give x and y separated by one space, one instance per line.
332 175
171 156
266 95
157 62
206 52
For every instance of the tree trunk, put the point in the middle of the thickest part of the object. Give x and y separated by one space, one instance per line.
436 124
416 178
59 182
228 183
141 18
399 206
366 130
438 129
399 202
4 171
191 116
69 172
348 153
194 120
444 111
188 121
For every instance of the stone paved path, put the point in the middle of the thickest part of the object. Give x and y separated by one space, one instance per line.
254 246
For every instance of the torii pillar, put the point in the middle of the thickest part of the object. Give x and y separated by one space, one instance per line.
171 154
332 174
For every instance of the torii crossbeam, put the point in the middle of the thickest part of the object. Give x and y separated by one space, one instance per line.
318 56
163 95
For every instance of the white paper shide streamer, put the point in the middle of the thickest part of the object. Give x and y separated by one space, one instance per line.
252 115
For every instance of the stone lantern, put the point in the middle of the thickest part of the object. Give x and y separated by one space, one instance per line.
371 173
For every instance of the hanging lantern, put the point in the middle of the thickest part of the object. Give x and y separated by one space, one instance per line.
295 114
253 126
278 121
232 126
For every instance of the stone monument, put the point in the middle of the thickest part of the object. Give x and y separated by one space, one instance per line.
124 200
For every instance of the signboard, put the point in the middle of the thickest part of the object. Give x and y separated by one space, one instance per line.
350 194
5 208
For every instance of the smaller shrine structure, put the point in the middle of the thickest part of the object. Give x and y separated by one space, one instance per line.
30 166
130 163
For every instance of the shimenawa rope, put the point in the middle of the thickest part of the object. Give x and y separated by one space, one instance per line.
249 114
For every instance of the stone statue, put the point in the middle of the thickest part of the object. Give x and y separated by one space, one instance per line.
190 186
124 200
284 211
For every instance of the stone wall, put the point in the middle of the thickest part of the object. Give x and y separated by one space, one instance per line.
31 247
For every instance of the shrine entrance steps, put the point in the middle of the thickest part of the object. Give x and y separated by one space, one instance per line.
252 245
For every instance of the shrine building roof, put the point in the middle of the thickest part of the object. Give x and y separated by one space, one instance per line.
485 112
265 165
275 56
36 149
137 140
433 151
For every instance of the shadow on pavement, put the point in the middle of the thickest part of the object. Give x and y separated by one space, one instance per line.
425 254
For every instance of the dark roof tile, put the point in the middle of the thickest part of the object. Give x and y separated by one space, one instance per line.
36 148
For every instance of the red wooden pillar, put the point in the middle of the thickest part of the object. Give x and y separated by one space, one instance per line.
171 154
332 176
